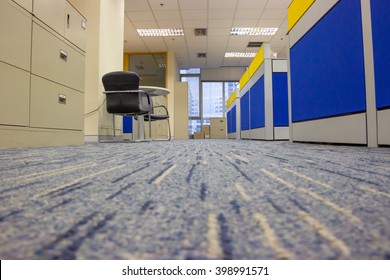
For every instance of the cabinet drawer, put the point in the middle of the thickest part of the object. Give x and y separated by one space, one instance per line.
52 13
27 4
14 95
217 123
75 27
55 60
48 112
15 34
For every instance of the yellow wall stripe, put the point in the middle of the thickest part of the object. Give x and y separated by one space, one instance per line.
244 79
296 10
231 99
257 61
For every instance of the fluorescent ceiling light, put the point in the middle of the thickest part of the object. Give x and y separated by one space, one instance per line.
240 54
252 31
160 32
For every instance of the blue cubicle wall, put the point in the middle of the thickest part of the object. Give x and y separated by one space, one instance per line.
127 124
244 103
327 66
232 120
280 99
257 104
380 15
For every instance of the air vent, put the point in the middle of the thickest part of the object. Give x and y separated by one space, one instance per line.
200 31
255 44
201 55
139 67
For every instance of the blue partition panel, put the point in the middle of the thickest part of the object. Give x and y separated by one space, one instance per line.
229 121
280 99
127 124
327 66
234 119
257 104
380 14
244 102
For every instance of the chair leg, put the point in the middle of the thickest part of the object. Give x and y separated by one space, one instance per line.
150 126
169 130
113 126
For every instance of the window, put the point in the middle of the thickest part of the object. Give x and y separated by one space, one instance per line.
212 99
205 100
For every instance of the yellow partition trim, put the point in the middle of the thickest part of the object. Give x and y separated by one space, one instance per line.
231 99
244 79
257 61
296 10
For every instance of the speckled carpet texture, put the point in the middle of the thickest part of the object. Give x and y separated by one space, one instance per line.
195 199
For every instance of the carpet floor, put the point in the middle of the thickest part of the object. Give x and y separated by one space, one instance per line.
195 199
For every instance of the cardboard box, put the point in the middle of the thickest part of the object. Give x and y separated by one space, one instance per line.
206 131
198 135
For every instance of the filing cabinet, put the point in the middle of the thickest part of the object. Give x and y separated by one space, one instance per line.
56 60
15 97
26 4
15 34
42 73
52 13
217 128
64 105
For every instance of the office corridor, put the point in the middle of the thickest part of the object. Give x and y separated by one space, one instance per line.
199 199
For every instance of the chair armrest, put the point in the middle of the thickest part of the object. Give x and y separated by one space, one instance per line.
162 106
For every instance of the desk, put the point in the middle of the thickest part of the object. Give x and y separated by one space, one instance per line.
151 91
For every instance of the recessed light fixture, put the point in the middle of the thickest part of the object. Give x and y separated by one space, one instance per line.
160 32
253 31
240 54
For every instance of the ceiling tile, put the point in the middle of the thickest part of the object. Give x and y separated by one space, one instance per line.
191 24
253 4
170 24
167 5
193 5
174 43
218 16
220 23
247 14
211 32
245 23
136 5
274 14
222 4
167 15
280 4
221 14
194 14
140 16
269 23
145 24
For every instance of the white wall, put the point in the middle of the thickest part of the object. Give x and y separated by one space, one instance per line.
105 28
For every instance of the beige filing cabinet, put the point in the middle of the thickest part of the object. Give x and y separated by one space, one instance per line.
181 110
42 73
218 128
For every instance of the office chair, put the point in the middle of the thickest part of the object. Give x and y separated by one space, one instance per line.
123 96
157 117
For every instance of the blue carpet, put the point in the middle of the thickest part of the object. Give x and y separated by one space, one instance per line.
199 199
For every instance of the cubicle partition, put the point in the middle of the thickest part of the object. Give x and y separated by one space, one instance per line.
381 45
335 95
264 99
232 116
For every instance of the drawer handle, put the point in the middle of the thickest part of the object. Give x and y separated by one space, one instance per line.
63 55
62 98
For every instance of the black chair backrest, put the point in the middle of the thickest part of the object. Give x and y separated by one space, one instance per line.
120 80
